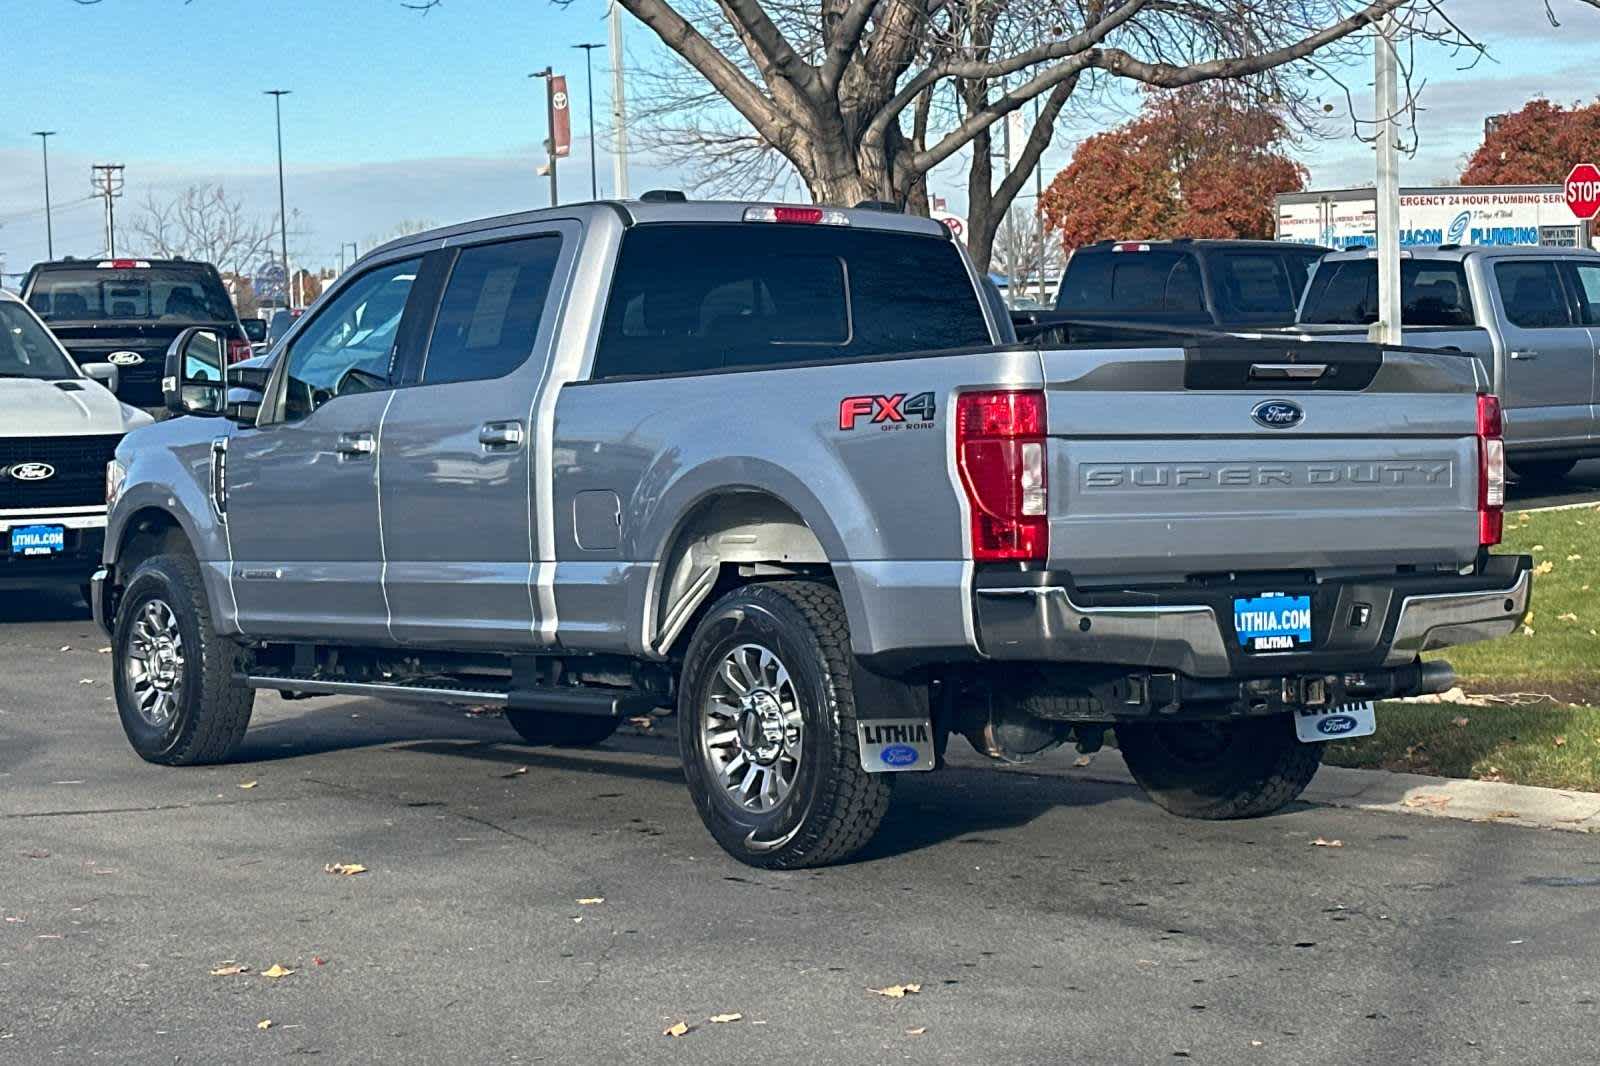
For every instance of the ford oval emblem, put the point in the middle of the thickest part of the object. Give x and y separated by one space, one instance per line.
32 471
1278 414
1335 725
898 755
125 358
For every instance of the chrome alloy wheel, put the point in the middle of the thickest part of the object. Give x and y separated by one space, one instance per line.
751 728
153 664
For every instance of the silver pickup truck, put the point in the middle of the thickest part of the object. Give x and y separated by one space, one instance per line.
1531 316
784 470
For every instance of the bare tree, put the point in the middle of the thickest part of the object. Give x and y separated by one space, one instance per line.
1019 243
861 99
203 222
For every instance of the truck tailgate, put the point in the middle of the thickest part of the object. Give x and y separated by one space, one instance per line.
1166 464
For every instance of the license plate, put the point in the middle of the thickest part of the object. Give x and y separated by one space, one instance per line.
1313 725
1272 622
38 540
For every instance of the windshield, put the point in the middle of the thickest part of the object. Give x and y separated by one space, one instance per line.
153 293
26 350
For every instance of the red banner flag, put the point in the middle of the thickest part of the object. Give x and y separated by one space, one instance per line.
560 116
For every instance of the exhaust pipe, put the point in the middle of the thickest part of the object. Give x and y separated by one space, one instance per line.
1436 676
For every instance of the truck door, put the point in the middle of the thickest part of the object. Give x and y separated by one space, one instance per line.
1548 387
459 480
1585 276
301 488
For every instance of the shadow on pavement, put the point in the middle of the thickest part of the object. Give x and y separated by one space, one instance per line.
42 605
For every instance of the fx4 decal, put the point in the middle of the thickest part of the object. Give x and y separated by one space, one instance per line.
889 412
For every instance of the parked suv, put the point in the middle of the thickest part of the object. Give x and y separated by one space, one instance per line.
785 470
1531 317
126 312
59 426
1177 284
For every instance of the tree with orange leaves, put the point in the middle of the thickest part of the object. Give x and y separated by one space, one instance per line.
1537 145
1205 161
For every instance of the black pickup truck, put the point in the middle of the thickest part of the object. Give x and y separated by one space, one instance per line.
1177 284
127 311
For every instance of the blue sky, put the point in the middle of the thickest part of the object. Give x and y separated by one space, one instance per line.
397 115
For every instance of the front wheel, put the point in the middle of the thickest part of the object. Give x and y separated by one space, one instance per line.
767 728
177 687
1218 770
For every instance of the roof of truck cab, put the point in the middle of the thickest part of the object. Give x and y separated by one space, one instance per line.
651 212
1204 244
1462 252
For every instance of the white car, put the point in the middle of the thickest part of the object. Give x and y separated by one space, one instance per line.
59 425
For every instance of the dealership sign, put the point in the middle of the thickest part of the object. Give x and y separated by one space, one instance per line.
1583 191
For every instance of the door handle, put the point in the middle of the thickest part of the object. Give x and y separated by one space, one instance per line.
500 434
1524 354
357 444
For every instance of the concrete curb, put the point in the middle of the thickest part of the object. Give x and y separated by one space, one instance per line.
1435 797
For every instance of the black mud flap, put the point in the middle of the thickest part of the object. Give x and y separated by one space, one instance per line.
894 725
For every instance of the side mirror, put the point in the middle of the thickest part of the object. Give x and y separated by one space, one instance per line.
195 380
255 329
105 373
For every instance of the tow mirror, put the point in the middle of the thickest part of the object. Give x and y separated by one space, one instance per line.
105 373
195 381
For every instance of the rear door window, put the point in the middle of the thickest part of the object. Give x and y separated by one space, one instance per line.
491 309
690 298
1253 283
161 292
1532 294
1432 293
1108 282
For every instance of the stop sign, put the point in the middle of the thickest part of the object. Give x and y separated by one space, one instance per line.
1583 190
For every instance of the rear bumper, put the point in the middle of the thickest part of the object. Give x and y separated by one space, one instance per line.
1043 617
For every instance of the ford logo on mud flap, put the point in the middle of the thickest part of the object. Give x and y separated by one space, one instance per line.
32 471
1334 725
1278 414
125 358
898 755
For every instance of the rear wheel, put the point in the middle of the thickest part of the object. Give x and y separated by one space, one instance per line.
562 730
176 681
1542 471
767 728
1219 770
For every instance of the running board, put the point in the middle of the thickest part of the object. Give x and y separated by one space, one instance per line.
600 702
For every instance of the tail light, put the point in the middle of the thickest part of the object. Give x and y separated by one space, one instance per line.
1491 471
1000 451
238 350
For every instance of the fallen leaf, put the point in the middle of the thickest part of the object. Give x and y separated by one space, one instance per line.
276 971
1503 814
229 971
897 991
1082 760
918 1031
265 1023
1561 742
66 647
518 772
1537 548
102 651
721 1019
1543 568
318 960
1574 558
1527 631
1460 722
643 721
1568 616
590 901
1322 843
1426 800
676 1029
344 869
249 784
1255 1043
85 680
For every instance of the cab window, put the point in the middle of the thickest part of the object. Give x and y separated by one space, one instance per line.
349 346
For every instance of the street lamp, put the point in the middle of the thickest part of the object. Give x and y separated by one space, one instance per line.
588 66
547 74
49 231
283 214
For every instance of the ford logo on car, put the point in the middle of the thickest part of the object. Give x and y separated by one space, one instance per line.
1335 725
125 358
898 755
31 471
1278 414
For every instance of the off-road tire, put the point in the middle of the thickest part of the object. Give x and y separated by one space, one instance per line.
213 705
1237 769
562 730
1542 471
833 807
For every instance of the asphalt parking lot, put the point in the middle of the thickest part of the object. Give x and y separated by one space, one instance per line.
1046 919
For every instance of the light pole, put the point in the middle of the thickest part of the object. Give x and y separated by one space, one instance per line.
619 109
49 230
548 73
588 67
283 213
